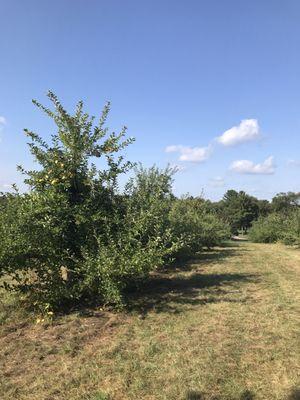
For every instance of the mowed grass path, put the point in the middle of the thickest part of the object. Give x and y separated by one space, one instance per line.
224 326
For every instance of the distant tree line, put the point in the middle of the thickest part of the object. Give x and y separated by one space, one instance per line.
239 210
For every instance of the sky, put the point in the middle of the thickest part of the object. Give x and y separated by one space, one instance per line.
212 87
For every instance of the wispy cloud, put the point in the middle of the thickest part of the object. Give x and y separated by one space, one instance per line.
193 154
2 122
246 131
267 167
294 163
216 182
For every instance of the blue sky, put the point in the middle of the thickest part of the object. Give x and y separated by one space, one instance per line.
211 86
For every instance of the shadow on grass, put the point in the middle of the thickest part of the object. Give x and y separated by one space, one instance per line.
214 256
195 395
246 395
179 286
294 395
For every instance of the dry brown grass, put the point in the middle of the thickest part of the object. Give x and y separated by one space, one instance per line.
225 326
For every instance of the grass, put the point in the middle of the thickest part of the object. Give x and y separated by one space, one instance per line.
224 326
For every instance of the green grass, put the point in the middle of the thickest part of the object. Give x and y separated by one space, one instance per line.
224 326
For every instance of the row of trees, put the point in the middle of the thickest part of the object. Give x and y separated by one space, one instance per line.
241 211
266 222
282 223
74 236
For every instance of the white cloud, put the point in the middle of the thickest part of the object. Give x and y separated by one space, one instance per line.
218 181
294 163
193 154
172 148
246 131
267 167
2 123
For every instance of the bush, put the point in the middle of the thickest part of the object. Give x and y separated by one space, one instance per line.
266 229
196 225
291 235
73 237
277 227
140 242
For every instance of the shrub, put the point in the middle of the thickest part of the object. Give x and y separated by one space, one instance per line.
71 216
73 238
291 235
277 227
149 200
140 242
266 229
196 225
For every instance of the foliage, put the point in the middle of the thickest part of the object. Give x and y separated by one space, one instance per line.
285 202
149 199
267 229
198 227
73 237
140 242
264 207
238 209
281 222
277 227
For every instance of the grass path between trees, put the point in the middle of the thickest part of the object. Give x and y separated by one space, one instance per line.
225 326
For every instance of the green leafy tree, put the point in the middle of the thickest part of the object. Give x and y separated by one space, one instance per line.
264 207
286 202
73 237
239 210
49 231
197 226
149 199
